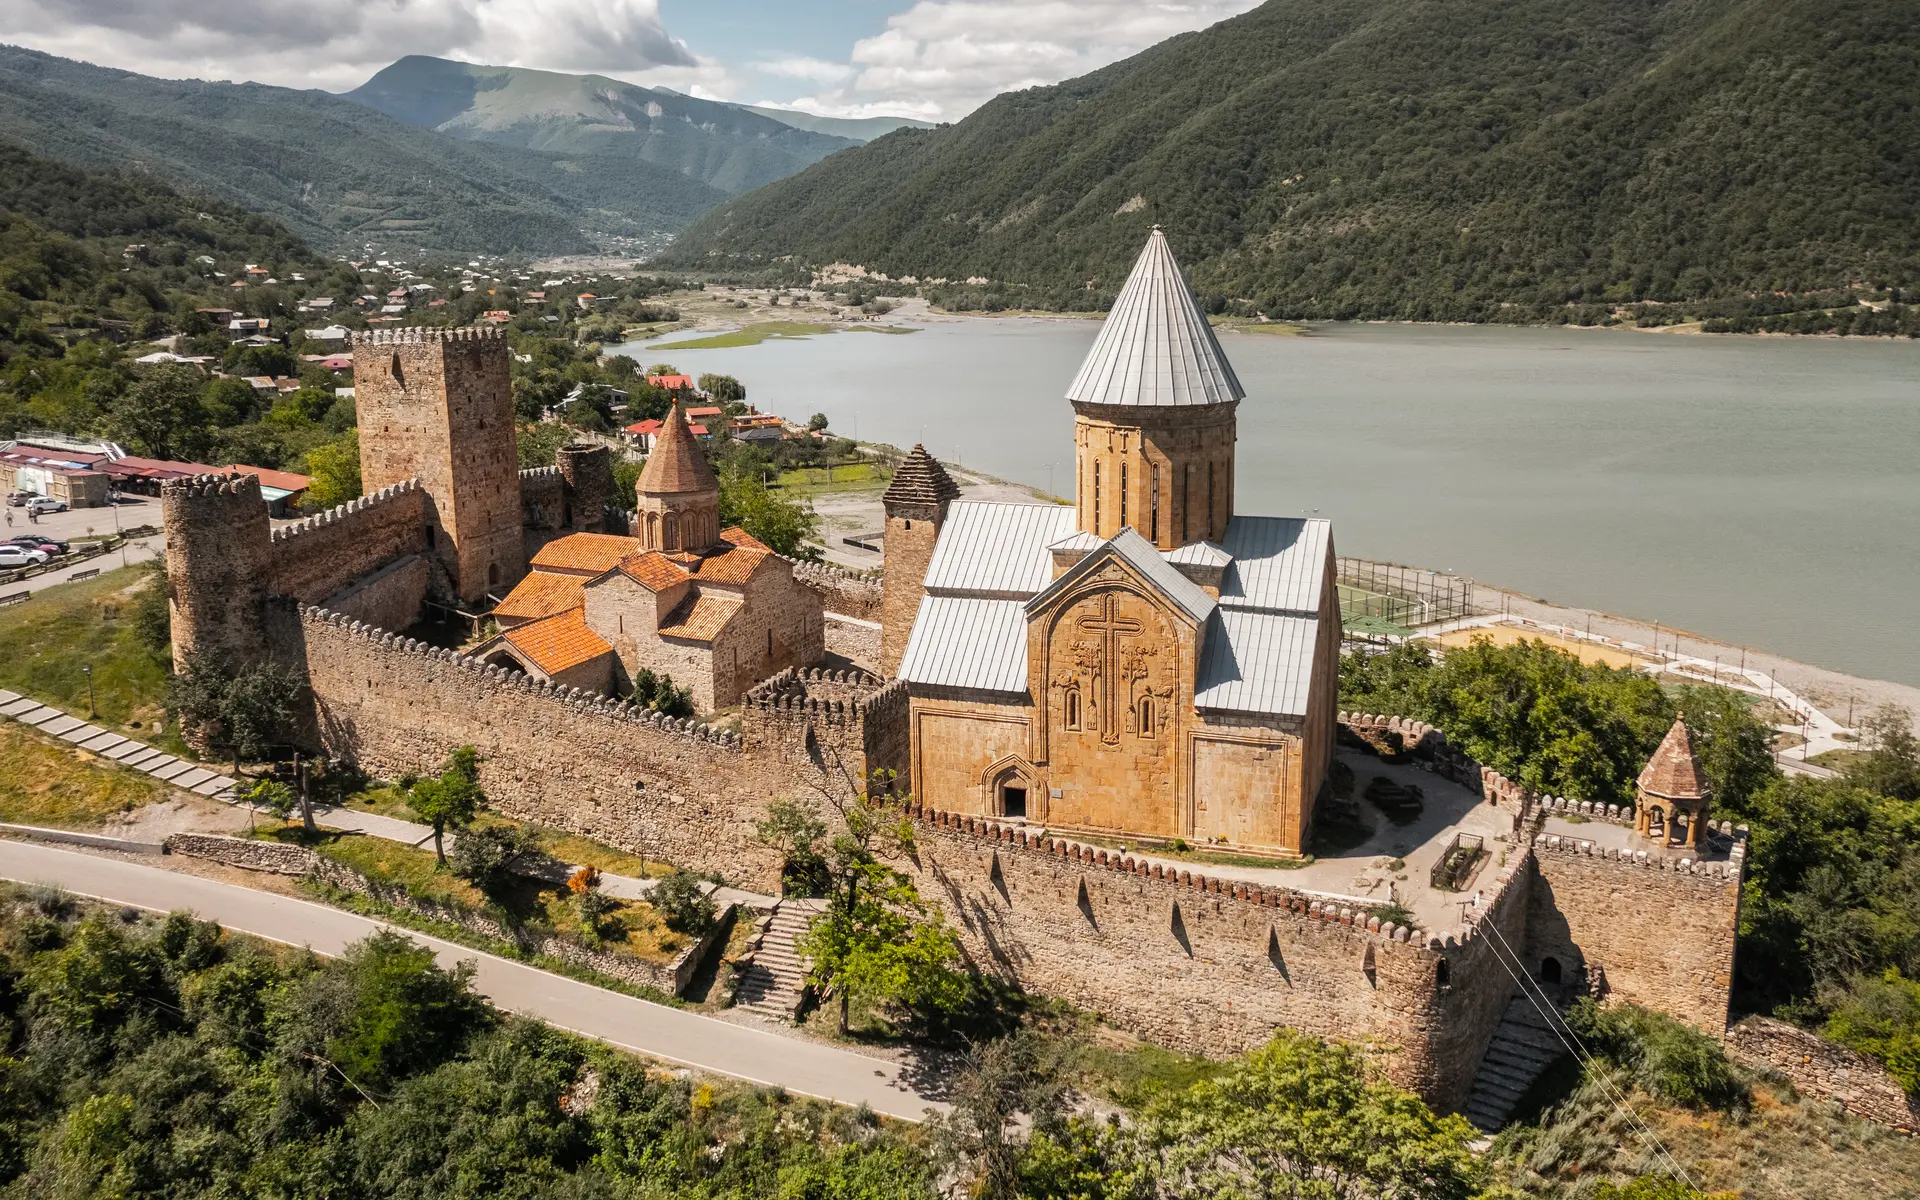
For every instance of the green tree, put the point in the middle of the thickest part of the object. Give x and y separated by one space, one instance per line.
1299 1117
449 800
492 857
335 469
796 830
251 710
683 903
1891 766
782 525
274 796
723 389
1880 1017
161 414
877 941
817 423
1007 1085
539 443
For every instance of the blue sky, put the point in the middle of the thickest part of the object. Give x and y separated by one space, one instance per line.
934 59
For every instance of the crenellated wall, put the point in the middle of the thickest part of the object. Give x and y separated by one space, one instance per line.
1214 965
669 788
848 593
311 560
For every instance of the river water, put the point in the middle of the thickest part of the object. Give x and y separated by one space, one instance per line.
1765 491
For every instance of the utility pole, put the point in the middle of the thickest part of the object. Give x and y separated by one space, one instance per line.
87 669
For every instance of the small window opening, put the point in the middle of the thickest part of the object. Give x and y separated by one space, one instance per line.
1146 716
1123 495
1096 498
909 524
1440 976
493 574
1549 970
1153 513
769 643
429 537
1073 709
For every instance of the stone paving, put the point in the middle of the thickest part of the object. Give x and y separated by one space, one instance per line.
123 751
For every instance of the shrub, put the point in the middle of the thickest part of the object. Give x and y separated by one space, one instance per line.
490 857
1880 1017
595 910
1675 1062
682 904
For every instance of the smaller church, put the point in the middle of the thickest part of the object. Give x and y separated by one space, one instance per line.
713 608
1148 663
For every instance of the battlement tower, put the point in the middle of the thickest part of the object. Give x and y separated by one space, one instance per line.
437 404
219 566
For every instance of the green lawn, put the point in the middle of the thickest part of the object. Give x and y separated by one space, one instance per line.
750 335
46 642
46 782
852 477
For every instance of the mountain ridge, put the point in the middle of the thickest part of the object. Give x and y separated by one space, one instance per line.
1471 160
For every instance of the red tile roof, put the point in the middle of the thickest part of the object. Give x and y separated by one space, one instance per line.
284 480
557 643
653 571
541 594
1673 772
585 553
700 618
671 382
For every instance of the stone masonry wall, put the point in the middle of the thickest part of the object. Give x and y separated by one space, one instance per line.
841 591
671 789
390 598
316 558
1210 965
1826 1069
218 556
1660 929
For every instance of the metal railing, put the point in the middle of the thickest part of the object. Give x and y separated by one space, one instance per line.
1454 867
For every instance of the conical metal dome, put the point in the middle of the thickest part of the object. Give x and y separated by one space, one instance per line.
1156 348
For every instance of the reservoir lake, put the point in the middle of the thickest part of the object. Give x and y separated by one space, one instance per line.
1762 491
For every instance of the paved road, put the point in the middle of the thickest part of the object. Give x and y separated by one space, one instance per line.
655 1030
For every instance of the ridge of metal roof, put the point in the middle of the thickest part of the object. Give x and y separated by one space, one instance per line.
1131 548
1155 347
994 549
1199 554
1257 662
1279 563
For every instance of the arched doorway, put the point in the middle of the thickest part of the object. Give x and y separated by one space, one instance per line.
1549 970
1012 790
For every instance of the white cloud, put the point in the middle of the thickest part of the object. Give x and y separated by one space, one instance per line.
813 70
301 43
943 58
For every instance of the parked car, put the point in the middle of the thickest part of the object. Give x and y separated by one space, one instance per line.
34 541
20 556
46 504
19 498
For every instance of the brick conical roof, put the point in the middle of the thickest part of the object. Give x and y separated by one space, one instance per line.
677 464
1673 773
921 480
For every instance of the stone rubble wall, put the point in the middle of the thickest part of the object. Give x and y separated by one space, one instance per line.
390 598
281 859
320 556
841 591
1825 1069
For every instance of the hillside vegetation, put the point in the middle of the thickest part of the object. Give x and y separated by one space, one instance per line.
1457 160
335 172
726 146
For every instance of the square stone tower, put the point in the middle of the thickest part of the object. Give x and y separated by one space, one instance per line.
438 404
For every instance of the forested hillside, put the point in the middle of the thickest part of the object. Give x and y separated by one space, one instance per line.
335 172
725 145
1413 159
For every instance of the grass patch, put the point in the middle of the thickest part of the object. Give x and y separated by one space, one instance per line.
1838 760
1129 1072
46 640
750 335
48 783
852 477
1270 328
1191 854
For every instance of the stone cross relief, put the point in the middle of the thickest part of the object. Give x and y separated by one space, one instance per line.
1102 657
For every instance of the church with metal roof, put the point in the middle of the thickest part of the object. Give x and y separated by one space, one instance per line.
1147 662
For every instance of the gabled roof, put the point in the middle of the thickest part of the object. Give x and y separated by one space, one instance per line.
920 479
1155 348
997 549
584 553
968 642
1279 563
676 465
541 594
1199 554
1137 552
653 570
700 618
1673 773
557 643
1257 662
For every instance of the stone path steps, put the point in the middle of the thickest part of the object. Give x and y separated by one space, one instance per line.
122 750
1523 1046
774 982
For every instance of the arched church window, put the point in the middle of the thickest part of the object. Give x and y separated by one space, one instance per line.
1123 495
1072 709
1146 716
672 526
493 574
1153 512
1096 499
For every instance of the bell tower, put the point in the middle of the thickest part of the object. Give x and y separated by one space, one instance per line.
678 496
916 502
1154 414
1674 793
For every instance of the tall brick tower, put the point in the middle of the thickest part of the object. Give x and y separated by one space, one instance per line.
219 547
916 502
438 404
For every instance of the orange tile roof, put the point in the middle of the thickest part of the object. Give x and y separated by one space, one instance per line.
676 465
557 643
1673 772
585 553
732 564
700 618
653 570
541 594
740 537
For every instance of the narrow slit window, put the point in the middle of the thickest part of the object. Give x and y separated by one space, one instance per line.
1123 494
1072 708
1153 511
1145 716
1096 498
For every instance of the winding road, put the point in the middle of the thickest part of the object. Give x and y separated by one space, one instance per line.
676 1035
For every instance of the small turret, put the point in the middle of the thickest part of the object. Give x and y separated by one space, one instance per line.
588 471
1674 793
679 499
219 553
916 502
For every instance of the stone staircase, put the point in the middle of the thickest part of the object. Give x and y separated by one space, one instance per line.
1523 1046
773 982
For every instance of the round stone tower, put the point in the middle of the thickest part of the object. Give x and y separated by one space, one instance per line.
219 551
1154 408
679 499
588 471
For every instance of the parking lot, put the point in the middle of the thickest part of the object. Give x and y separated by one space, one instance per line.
131 512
